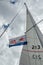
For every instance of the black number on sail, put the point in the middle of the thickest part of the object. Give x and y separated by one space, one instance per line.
36 57
35 47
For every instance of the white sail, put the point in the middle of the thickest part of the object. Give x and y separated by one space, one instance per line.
31 52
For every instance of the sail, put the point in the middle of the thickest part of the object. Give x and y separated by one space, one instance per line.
31 52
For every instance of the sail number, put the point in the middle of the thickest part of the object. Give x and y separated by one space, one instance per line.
36 57
35 47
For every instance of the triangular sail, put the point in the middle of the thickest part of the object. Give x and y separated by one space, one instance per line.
39 34
31 52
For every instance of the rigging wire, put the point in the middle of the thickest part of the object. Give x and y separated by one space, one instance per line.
11 21
34 25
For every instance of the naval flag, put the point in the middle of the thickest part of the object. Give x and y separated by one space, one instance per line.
18 41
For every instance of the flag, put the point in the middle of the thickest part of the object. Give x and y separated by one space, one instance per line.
18 41
5 26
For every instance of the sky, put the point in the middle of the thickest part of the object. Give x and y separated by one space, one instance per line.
11 56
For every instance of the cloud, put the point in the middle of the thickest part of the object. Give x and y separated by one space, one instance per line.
17 28
7 12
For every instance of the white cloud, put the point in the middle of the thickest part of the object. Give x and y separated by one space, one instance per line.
7 12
